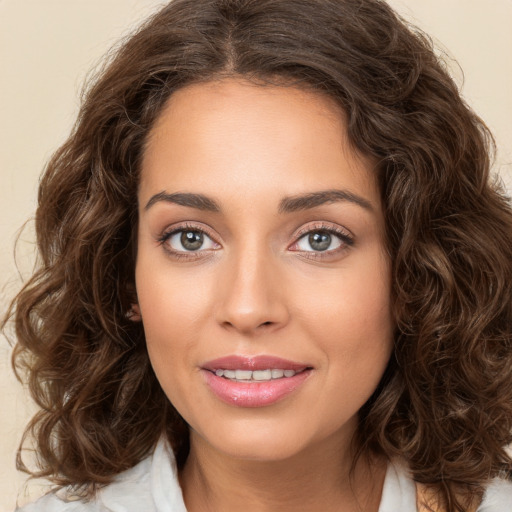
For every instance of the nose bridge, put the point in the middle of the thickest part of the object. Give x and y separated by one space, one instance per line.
252 297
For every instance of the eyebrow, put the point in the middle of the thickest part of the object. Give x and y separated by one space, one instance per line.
314 199
286 205
197 201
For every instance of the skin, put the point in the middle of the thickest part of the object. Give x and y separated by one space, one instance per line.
257 286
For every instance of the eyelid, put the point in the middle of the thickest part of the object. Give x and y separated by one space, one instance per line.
183 226
344 233
171 230
346 237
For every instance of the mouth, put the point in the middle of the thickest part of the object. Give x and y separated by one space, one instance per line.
257 375
256 381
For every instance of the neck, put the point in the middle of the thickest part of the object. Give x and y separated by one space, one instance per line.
321 478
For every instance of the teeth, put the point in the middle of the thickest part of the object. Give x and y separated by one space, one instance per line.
256 375
243 374
262 375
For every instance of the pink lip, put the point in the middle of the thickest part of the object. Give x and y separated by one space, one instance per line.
253 394
262 362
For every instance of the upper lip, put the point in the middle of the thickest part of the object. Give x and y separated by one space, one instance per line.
260 362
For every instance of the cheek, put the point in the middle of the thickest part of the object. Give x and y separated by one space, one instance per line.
170 306
354 304
351 322
171 300
171 313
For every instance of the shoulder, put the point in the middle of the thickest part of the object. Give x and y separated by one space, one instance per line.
150 486
497 497
131 490
399 492
52 503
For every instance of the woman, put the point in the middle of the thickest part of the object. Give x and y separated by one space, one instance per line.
274 274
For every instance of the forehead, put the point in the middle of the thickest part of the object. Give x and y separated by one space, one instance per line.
232 135
237 93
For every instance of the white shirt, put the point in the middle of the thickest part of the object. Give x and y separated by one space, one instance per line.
152 486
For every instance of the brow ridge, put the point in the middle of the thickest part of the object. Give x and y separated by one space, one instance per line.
287 205
314 199
198 201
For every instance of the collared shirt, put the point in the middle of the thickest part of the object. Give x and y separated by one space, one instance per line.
152 486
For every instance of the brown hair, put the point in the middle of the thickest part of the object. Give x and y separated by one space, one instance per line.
445 402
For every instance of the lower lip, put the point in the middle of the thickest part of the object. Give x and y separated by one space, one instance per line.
253 394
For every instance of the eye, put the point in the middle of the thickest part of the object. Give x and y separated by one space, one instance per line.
322 240
319 241
188 240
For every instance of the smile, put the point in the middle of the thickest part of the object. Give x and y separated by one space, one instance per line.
256 375
256 381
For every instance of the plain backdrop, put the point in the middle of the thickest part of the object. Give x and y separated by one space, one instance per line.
48 46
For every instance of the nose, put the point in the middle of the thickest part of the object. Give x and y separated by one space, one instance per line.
252 296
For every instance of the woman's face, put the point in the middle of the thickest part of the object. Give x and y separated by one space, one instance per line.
262 277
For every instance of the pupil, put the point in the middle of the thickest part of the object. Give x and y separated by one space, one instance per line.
320 241
191 240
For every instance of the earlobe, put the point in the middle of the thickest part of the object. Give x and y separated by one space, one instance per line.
133 313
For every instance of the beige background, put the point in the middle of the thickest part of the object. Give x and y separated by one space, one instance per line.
46 49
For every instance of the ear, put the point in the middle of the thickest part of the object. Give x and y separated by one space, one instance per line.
133 313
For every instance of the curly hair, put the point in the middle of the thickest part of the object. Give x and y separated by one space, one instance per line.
444 404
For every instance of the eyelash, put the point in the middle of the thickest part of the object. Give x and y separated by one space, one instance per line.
183 255
344 236
347 240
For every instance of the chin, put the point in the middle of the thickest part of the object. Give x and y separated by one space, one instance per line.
264 439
